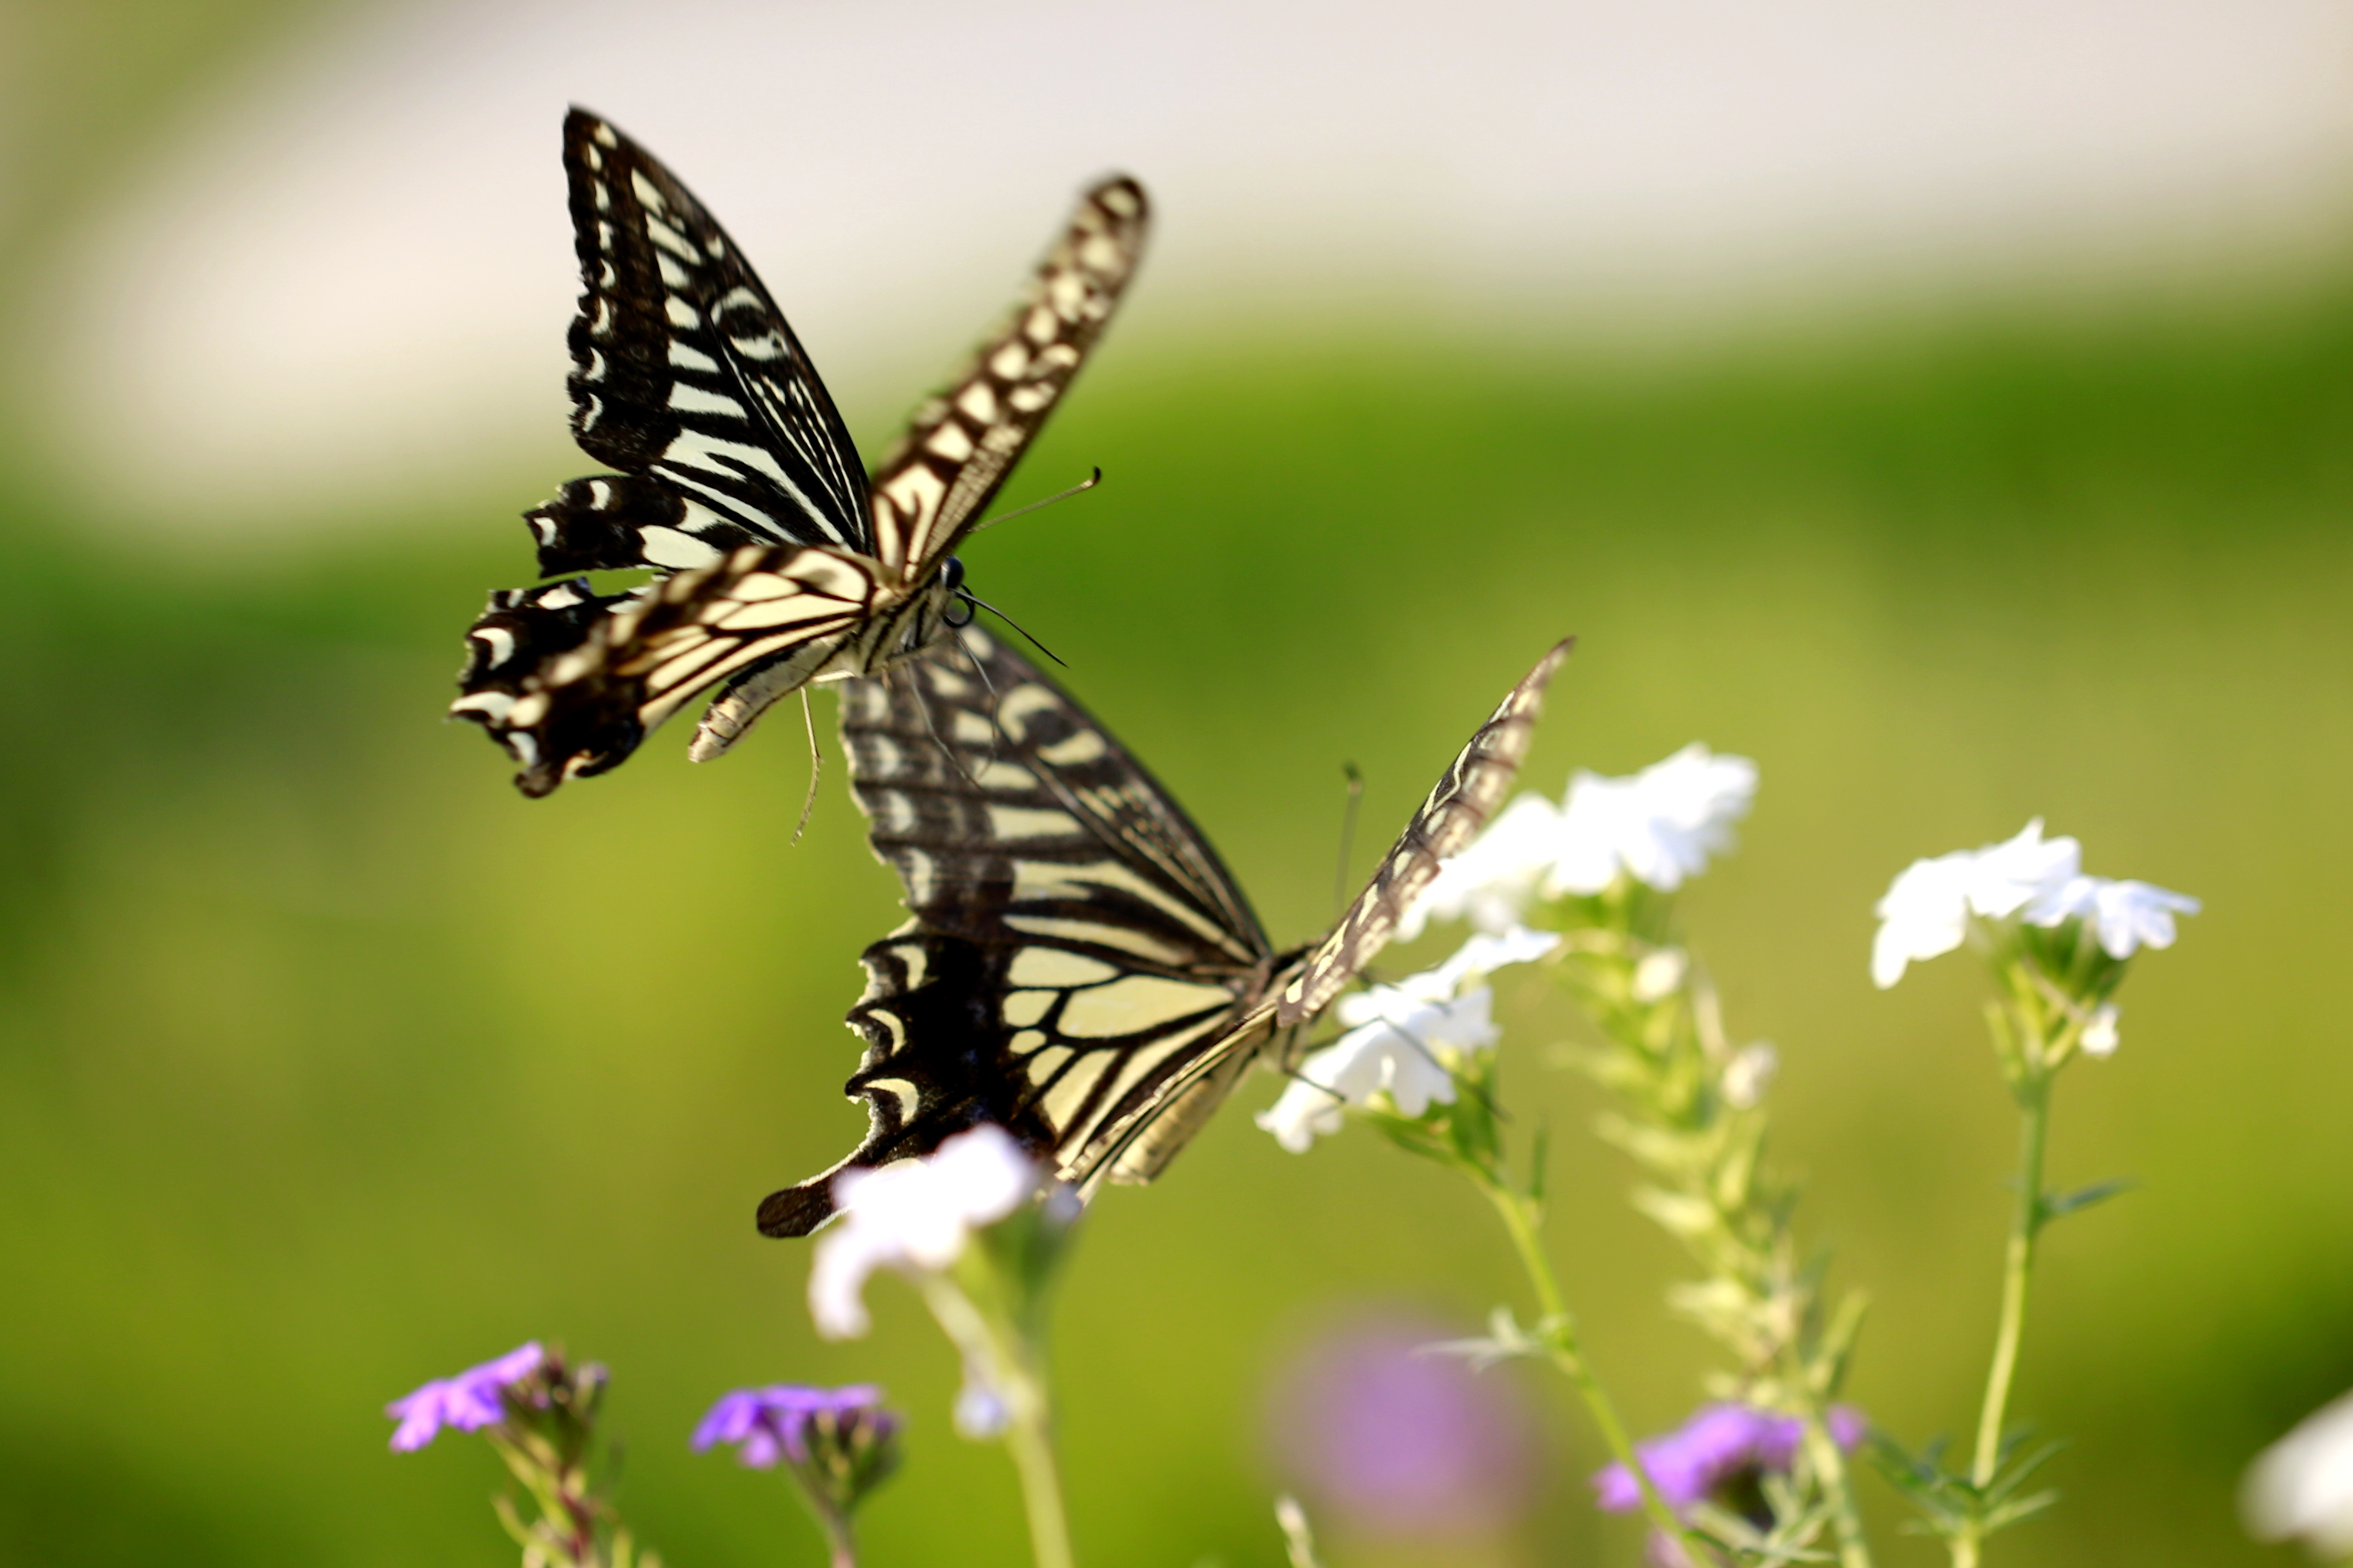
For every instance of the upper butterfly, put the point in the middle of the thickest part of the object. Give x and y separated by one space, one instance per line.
779 562
1080 968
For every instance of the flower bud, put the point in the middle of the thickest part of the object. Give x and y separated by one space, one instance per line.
1660 975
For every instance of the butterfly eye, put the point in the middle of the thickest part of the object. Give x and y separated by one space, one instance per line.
952 575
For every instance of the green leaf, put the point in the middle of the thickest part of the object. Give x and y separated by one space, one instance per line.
1503 1340
2055 1205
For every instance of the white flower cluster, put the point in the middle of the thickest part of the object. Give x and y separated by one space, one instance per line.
914 1216
1398 1031
1927 908
1658 826
2302 1486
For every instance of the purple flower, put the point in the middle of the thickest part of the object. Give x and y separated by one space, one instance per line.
1720 1446
1397 1442
774 1423
469 1402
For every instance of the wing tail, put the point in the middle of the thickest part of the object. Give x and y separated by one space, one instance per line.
572 682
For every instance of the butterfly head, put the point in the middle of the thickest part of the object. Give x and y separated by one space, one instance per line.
955 605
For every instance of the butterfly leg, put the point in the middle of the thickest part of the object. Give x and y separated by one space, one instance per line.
995 731
817 766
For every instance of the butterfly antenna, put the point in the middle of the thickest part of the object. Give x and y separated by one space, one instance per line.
1347 837
1089 482
816 767
1017 625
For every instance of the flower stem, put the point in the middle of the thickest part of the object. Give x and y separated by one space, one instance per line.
1031 1444
2018 1267
841 1550
1559 1337
1838 1488
1015 1366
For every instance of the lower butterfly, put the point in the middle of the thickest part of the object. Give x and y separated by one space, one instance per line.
1081 969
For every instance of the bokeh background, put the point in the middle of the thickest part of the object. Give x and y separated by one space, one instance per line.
1946 405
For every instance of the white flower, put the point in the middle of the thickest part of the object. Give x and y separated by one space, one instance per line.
1926 911
1398 1031
2011 874
1659 973
2126 916
914 1215
2099 1036
1659 826
1373 1059
1475 960
2302 1486
1492 881
1749 1074
1924 914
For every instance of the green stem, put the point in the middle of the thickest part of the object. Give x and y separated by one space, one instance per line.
2032 1087
2018 1268
1830 1474
1032 1447
995 1341
841 1548
1560 1342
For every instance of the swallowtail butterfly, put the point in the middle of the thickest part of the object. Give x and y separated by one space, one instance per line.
1080 968
778 561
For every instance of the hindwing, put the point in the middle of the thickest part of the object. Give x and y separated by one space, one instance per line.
568 709
1081 969
1076 943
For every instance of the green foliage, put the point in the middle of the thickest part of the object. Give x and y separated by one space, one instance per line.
325 1062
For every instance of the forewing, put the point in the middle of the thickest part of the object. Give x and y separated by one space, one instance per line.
1078 950
571 682
1455 810
684 370
929 490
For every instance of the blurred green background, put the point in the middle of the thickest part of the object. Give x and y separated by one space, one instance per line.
328 1064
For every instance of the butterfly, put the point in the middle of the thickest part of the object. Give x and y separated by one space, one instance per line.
778 560
1080 968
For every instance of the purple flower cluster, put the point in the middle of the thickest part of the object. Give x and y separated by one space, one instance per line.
469 1402
1394 1442
775 1423
1719 1445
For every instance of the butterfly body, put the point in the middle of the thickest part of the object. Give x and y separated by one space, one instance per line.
1080 968
778 560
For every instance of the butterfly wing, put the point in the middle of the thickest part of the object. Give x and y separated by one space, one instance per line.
684 372
1473 785
1076 942
571 682
930 488
1448 818
1047 997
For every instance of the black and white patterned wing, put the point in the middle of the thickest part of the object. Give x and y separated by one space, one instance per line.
571 681
684 374
1476 782
930 488
1077 946
1474 785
